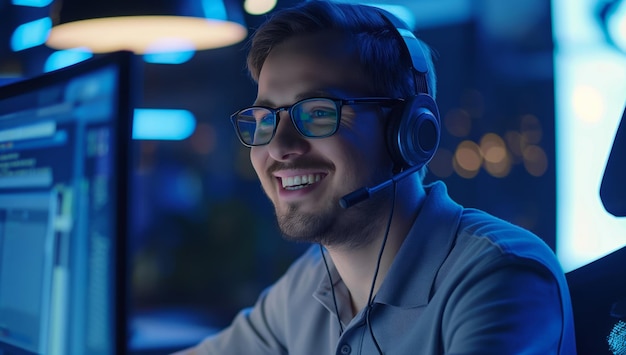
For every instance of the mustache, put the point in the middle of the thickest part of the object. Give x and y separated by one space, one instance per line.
300 164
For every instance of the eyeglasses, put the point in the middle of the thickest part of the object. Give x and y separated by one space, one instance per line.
316 117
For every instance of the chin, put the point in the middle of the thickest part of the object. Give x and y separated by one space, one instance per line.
306 226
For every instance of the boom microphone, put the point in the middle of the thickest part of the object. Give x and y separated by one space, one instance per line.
364 193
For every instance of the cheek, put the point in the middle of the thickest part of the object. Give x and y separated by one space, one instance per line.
367 147
363 160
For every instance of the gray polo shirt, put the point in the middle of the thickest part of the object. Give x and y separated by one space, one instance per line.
463 282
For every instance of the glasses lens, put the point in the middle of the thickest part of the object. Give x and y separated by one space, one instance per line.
255 125
316 117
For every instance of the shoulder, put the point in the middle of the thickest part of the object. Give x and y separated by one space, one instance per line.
480 227
496 263
487 239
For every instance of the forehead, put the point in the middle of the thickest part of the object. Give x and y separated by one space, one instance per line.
315 63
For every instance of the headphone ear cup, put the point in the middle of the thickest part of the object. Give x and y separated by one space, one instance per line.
413 134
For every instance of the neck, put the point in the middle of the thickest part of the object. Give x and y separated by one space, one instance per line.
357 266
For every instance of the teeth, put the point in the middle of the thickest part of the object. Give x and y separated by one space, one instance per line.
297 182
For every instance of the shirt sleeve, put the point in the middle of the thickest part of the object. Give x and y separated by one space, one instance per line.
249 333
505 309
267 327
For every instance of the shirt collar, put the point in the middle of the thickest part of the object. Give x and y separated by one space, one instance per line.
324 292
412 274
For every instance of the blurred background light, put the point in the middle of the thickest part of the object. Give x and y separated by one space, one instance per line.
493 148
259 7
173 57
467 159
163 124
531 129
588 103
145 34
496 157
145 27
506 20
514 143
214 9
30 34
535 160
32 3
64 58
500 168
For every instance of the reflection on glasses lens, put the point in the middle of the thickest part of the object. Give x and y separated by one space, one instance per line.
313 118
316 117
265 129
255 125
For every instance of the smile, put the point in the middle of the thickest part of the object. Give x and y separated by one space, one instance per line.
301 181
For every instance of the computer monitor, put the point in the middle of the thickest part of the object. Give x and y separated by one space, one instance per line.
64 173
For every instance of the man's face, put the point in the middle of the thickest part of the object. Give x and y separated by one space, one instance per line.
305 177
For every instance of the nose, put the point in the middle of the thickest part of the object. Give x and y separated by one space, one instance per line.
287 143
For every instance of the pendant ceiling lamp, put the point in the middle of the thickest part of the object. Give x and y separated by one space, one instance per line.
145 26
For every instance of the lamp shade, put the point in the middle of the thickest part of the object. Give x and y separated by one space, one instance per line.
145 26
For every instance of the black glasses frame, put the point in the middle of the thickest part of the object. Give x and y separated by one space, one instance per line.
339 103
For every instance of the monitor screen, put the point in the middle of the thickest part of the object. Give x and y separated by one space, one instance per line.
64 164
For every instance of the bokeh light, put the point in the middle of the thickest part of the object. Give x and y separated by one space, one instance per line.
259 7
514 143
496 157
493 148
535 160
467 159
588 103
64 58
30 34
531 129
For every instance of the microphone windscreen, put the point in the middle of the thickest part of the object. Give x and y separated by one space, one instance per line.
354 197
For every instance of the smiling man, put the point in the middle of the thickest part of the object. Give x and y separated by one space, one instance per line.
345 101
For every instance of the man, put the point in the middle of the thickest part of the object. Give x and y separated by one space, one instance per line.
344 102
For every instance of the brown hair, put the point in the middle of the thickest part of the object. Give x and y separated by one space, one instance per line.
377 44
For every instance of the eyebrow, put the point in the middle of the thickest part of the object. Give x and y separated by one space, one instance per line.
302 96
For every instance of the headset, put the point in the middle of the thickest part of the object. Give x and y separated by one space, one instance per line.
414 132
412 135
